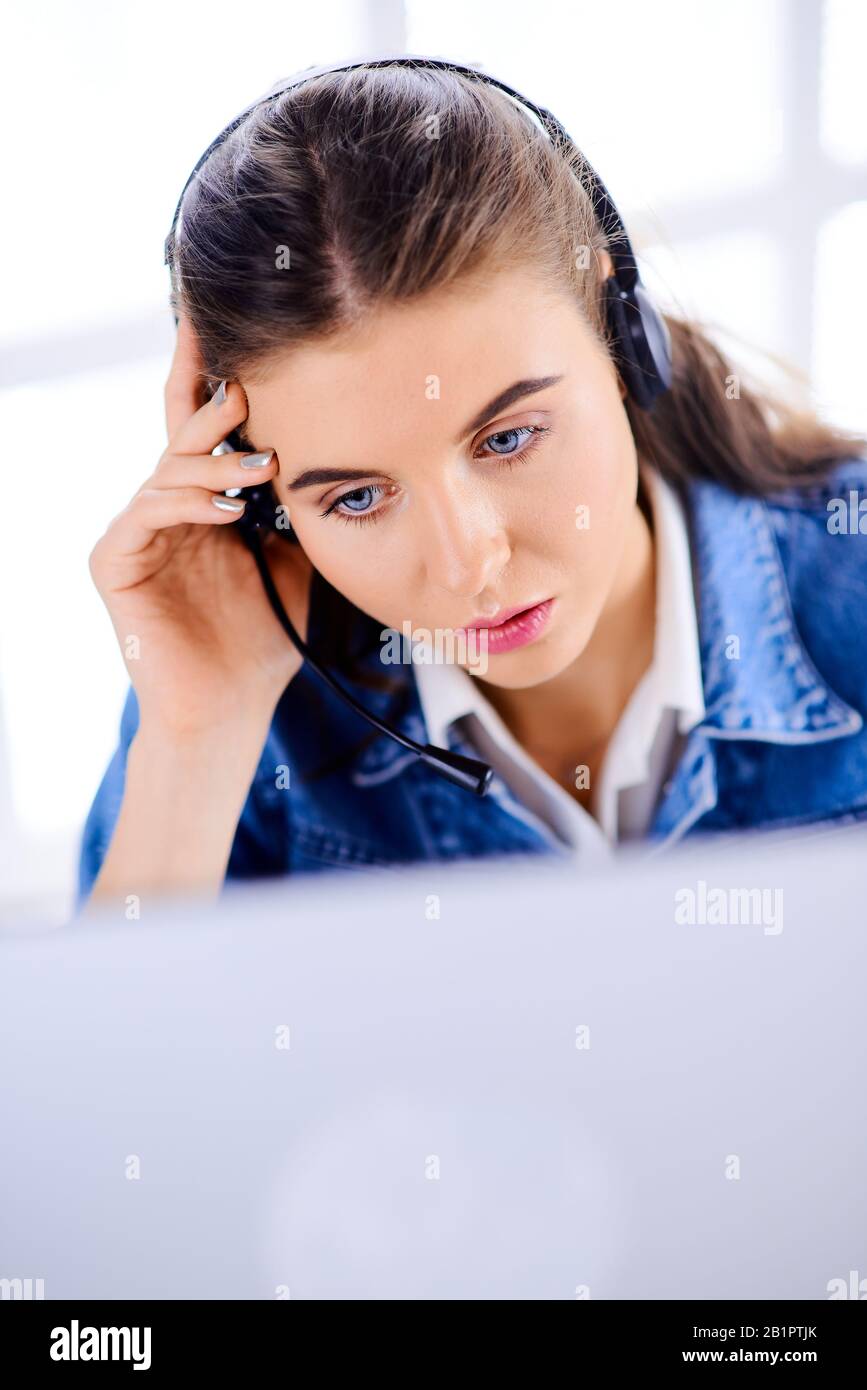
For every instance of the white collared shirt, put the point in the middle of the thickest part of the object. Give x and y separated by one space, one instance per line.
667 701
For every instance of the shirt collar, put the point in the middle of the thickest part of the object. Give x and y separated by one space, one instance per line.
446 693
676 662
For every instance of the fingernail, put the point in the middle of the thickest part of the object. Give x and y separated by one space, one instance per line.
220 393
257 460
227 505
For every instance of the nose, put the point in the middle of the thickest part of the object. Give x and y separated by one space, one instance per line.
465 546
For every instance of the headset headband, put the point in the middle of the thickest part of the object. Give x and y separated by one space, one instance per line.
637 326
622 256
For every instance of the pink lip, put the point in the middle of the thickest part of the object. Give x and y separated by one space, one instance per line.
497 619
515 627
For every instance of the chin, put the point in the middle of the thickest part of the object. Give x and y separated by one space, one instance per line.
531 665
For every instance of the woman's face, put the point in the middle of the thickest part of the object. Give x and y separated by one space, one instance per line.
459 456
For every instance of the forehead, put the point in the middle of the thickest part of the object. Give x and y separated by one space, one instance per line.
441 355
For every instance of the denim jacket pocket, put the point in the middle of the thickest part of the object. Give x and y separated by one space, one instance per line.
319 846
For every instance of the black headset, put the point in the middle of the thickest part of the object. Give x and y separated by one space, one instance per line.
638 330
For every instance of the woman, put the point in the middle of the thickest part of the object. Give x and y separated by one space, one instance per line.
397 281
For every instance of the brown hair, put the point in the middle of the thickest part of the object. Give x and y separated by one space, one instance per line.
384 183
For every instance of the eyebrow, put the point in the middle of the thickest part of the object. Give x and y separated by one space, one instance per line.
519 390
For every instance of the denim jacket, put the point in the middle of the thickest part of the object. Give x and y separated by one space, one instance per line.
781 598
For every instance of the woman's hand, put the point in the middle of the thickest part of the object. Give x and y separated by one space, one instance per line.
200 641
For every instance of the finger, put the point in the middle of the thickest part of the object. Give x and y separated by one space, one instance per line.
214 471
201 432
185 381
153 510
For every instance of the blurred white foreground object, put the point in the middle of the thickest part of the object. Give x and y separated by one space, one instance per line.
494 1080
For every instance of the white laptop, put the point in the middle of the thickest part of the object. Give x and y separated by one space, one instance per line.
502 1079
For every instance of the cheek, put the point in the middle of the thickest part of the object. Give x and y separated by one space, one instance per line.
346 555
589 497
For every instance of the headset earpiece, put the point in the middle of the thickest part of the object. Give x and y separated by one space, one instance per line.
641 339
263 513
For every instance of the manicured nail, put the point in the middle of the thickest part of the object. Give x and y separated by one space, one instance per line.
220 393
227 505
257 460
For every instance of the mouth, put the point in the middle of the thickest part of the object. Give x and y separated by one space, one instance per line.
511 627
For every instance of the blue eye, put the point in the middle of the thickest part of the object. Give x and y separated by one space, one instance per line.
350 498
507 435
531 440
355 513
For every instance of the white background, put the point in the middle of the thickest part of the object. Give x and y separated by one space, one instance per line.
733 138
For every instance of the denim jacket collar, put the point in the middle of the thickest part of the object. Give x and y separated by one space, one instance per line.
759 680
